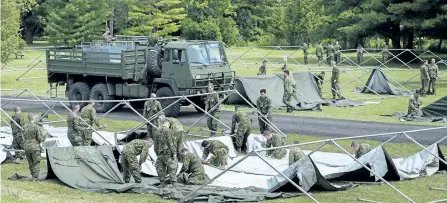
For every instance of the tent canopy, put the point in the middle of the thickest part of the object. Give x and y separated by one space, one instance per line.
378 83
436 109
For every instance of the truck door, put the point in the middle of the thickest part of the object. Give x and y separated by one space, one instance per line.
177 68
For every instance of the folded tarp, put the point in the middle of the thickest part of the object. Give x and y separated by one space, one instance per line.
378 83
437 109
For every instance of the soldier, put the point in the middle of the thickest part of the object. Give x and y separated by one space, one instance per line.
131 165
360 149
243 129
360 55
219 153
17 134
212 101
433 71
385 53
177 130
106 36
274 140
73 124
337 49
414 106
292 79
166 151
329 53
306 53
192 172
264 105
151 108
284 67
295 154
320 80
263 68
425 77
33 136
288 91
319 53
88 113
335 80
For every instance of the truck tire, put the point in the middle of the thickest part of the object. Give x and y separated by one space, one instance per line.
100 92
79 91
172 111
154 65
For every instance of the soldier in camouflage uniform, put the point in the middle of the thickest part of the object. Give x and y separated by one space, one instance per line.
74 130
320 80
151 107
33 136
17 134
425 77
218 150
88 113
295 154
211 101
360 149
414 106
130 163
243 129
335 80
319 53
288 91
329 53
306 53
192 171
264 105
433 72
385 53
177 130
274 140
360 55
337 54
292 79
263 68
165 148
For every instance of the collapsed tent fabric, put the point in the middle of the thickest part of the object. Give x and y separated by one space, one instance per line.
437 109
378 83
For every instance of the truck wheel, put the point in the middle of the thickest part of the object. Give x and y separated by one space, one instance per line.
79 91
154 68
172 111
100 92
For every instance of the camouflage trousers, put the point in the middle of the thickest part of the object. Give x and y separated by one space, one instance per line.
33 157
220 158
263 124
432 86
75 139
424 88
17 143
193 178
243 131
166 165
131 167
286 98
294 94
335 89
359 59
279 153
320 60
150 130
319 88
306 59
212 123
329 59
337 58
295 156
86 136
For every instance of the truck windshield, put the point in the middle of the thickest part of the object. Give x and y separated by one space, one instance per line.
206 54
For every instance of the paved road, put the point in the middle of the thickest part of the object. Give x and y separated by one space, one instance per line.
332 128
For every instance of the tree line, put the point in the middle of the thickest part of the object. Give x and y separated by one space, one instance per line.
400 23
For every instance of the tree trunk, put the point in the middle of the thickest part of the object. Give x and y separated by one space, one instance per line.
440 45
29 35
395 36
410 39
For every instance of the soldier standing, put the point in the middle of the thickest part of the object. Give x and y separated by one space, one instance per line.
192 171
288 91
433 71
320 80
131 165
212 101
337 49
17 134
177 130
329 53
264 105
360 149
319 53
166 151
360 55
33 136
414 106
274 140
306 53
335 80
292 79
263 68
88 113
243 129
295 154
385 53
151 108
73 124
425 77
219 153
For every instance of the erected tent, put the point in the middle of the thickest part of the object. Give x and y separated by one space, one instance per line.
437 109
378 83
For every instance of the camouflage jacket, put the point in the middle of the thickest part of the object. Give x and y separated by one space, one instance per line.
337 49
288 85
433 71
264 105
319 50
330 50
364 148
137 147
414 104
305 50
73 124
192 164
211 101
214 146
360 50
164 144
424 72
295 154
151 107
18 118
33 136
319 79
275 141
88 113
292 79
335 75
262 70
241 118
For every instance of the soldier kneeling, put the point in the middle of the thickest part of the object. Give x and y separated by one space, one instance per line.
192 172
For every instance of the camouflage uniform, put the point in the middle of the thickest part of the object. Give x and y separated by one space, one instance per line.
320 80
414 107
363 149
288 92
130 163
33 136
425 77
211 101
433 71
385 53
74 130
262 69
243 129
360 55
88 113
337 54
264 105
319 53
151 107
165 148
335 80
17 135
330 54
276 141
294 87
219 151
177 130
295 155
306 53
192 172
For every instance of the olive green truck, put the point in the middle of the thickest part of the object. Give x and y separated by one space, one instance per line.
109 72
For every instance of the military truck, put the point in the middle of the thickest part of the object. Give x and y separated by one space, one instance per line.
112 72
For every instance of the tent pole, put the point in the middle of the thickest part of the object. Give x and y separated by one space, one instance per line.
240 79
364 84
422 146
318 148
367 200
198 107
436 188
389 140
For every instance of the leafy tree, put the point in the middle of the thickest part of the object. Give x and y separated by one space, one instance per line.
32 18
205 30
10 29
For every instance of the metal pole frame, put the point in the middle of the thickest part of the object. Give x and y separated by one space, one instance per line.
298 93
18 78
23 91
240 79
330 86
7 115
265 56
236 56
425 149
239 58
364 85
198 107
290 55
31 93
113 108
